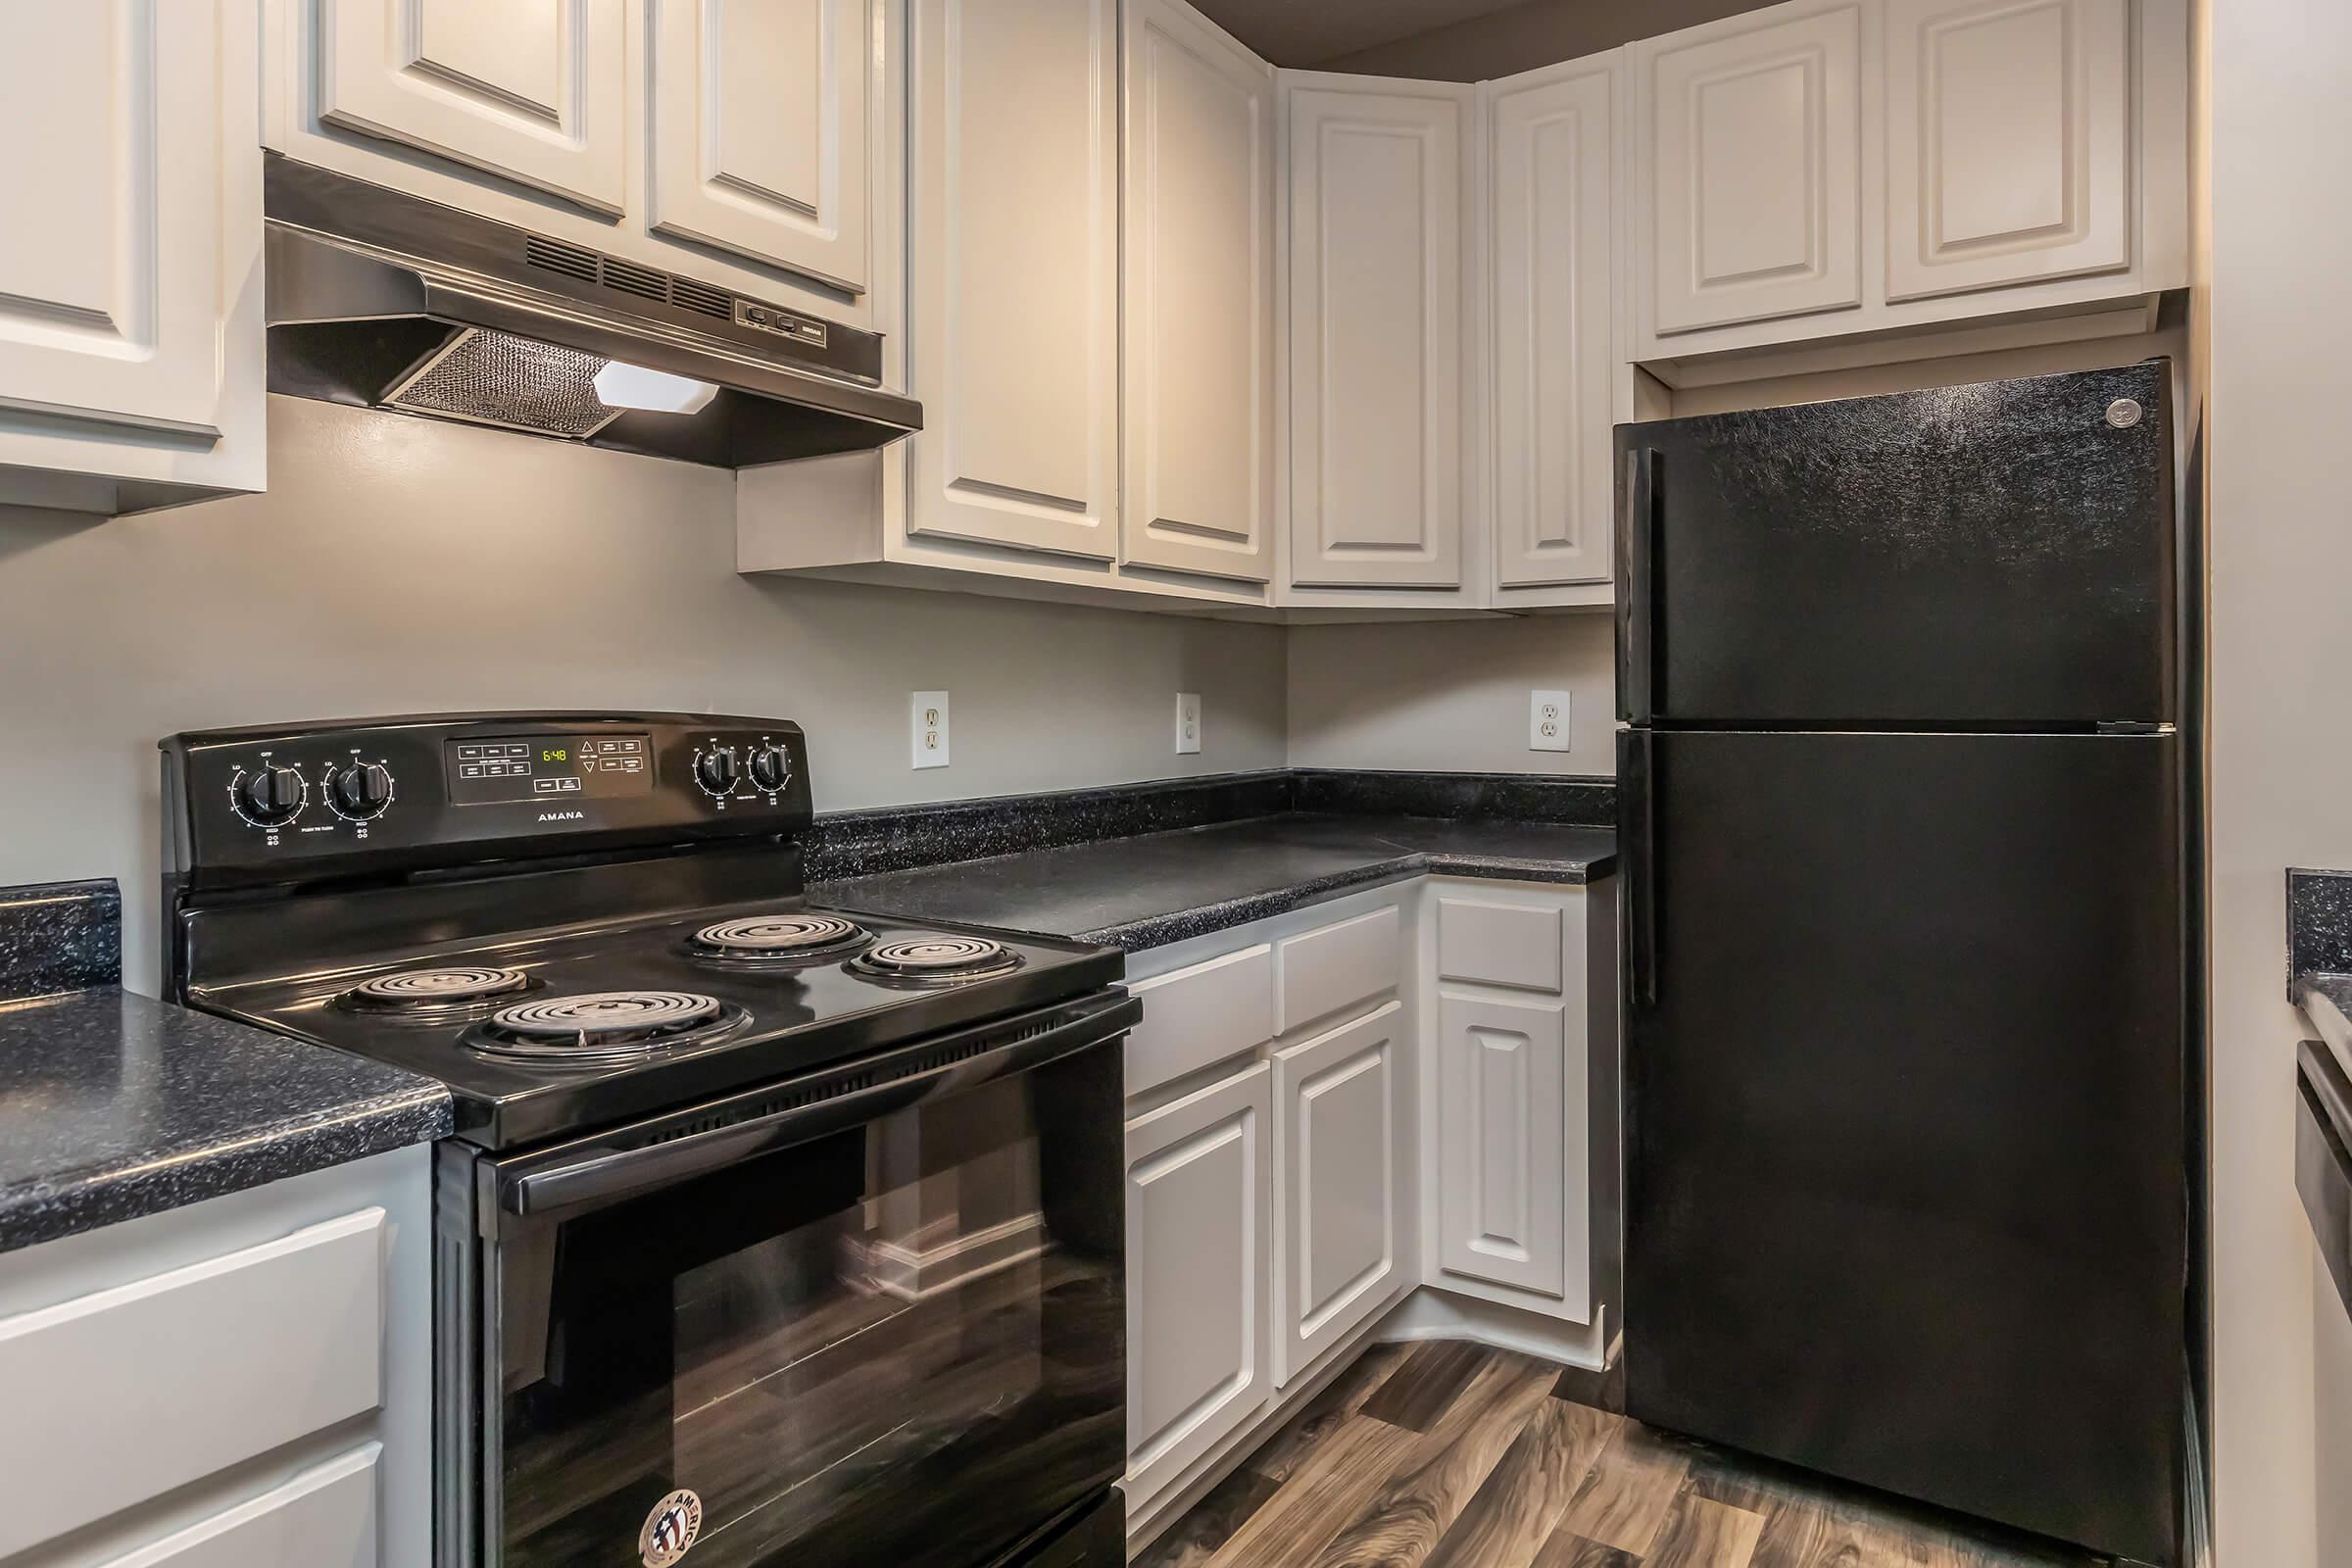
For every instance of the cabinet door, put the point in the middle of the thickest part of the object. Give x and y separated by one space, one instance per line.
2008 142
1750 154
1199 300
131 337
1502 1122
1338 1142
1377 184
530 90
1197 1287
760 118
1550 251
1014 218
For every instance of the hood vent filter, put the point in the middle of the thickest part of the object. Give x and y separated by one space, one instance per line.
519 383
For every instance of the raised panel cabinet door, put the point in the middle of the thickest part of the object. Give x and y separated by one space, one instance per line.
760 119
1377 185
1199 1291
1750 150
2008 142
530 90
1553 217
1199 297
1503 1121
121 225
1013 343
1339 1140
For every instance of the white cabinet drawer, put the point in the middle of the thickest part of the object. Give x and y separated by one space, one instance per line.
1338 966
119 1396
323 1518
1488 942
1196 1016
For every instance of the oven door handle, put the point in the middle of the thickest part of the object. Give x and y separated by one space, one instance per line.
604 1173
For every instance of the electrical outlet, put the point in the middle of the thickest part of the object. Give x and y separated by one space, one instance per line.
930 714
1188 723
1547 721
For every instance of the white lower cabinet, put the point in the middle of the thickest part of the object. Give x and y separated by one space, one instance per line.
247 1380
1500 1070
1197 1282
1332 1109
1340 1134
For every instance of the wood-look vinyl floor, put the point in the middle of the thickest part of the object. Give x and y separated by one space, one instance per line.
1450 1455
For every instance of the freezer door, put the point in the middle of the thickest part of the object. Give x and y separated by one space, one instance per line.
1993 556
1904 1115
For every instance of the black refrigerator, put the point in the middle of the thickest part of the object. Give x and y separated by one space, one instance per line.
1906 945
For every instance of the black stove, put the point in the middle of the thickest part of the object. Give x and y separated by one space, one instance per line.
460 932
722 1154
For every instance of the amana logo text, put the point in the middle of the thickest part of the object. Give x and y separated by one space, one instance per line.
562 816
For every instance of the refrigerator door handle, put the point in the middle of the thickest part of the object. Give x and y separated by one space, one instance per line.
1635 767
1636 518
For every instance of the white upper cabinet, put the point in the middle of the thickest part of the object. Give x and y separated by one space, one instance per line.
2008 142
1552 235
1012 341
530 90
1866 170
1749 136
760 131
1198 298
1380 176
130 268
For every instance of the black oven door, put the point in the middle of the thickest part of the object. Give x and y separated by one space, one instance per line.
870 1316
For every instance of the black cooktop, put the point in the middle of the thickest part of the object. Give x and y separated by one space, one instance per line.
561 1029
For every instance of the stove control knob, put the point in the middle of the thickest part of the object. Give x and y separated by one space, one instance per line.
771 769
714 770
270 795
360 791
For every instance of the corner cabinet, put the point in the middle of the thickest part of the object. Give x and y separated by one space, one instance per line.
130 263
1837 174
1381 177
1550 250
756 147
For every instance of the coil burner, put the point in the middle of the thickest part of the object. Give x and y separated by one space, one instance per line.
604 1026
434 993
779 939
936 960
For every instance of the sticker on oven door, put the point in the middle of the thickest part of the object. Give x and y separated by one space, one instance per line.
670 1528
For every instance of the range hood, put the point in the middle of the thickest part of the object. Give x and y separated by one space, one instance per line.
382 300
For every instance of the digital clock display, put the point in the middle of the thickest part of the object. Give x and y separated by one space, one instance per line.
551 770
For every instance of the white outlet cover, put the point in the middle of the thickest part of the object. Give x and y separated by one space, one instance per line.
1188 723
928 712
1547 721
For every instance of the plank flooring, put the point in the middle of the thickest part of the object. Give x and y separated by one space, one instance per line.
1450 1455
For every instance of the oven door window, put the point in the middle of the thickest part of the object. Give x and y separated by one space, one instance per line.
899 1343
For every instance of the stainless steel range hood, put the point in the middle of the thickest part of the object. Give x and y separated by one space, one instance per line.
381 300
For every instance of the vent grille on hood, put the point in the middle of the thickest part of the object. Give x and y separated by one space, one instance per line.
576 260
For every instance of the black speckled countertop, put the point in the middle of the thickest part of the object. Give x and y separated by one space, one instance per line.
1156 887
115 1105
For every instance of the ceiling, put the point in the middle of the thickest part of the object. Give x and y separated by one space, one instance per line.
1308 32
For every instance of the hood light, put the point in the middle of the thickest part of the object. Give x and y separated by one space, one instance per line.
620 385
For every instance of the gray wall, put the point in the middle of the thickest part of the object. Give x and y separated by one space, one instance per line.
398 565
2270 298
1537 33
1450 695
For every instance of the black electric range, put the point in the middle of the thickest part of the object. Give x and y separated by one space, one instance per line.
771 1232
